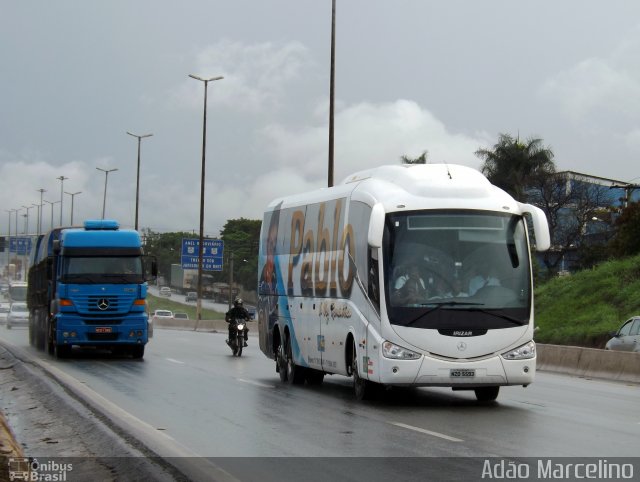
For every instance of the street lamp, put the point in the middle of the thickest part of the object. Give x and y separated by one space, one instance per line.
72 194
8 246
201 243
26 218
52 203
106 178
41 191
62 179
138 175
332 91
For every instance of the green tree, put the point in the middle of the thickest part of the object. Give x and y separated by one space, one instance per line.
513 165
626 241
241 237
421 159
166 247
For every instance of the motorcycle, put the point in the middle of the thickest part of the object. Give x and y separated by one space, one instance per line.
236 336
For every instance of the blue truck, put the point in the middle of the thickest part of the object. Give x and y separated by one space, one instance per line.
88 287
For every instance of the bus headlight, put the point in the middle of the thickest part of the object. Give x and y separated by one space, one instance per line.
390 350
524 352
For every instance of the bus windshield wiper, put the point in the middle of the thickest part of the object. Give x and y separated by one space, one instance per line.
513 320
439 304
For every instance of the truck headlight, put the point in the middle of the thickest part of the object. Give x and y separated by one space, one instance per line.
390 350
524 352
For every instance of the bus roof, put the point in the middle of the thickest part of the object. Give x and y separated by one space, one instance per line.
413 186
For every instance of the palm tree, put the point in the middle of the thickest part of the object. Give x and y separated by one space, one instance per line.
421 159
513 165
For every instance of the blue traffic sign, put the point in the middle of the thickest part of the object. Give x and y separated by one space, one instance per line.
212 254
20 245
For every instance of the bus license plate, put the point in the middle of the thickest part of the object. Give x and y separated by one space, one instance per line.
462 373
103 329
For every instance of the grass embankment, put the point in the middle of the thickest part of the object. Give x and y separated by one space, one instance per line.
162 303
583 308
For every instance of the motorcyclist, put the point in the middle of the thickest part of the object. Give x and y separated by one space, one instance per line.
238 312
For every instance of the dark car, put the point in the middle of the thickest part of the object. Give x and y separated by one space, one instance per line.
191 296
252 311
627 338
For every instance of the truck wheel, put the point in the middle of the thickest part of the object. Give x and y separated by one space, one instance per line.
137 352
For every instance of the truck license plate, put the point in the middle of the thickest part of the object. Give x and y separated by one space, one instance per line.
462 373
103 329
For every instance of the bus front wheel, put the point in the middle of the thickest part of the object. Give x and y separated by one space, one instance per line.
487 394
363 389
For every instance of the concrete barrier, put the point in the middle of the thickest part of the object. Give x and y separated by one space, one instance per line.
571 360
589 362
204 325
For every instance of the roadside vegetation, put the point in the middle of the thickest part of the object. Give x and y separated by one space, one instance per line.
161 303
583 308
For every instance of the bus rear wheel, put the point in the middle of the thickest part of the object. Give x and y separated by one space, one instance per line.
295 373
487 394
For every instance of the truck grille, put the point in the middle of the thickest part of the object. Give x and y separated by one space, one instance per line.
103 305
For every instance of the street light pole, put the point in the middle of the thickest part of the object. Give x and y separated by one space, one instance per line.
106 178
26 219
62 179
41 191
202 179
52 203
8 246
138 174
332 91
72 194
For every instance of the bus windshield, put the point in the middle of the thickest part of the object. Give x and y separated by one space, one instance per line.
456 269
102 269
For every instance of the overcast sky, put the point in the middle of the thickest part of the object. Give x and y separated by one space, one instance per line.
411 75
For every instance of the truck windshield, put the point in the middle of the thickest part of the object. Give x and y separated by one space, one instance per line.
102 269
456 269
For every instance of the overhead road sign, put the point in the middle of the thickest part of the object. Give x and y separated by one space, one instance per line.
212 254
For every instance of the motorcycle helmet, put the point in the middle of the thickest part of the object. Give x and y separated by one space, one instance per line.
237 302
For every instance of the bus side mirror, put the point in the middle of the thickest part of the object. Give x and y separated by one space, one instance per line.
540 226
376 226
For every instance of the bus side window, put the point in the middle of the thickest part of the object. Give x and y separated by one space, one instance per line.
373 284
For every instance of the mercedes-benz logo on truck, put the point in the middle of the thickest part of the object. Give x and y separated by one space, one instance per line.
103 304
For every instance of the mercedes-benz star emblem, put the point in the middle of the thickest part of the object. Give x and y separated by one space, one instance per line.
103 304
462 346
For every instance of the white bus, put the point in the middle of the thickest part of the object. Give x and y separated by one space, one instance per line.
336 271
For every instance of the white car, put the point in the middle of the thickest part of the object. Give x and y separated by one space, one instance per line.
157 316
165 291
4 312
18 315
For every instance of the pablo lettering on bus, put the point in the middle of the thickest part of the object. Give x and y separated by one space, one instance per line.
321 254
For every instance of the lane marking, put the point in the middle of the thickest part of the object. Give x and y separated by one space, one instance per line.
175 361
428 432
257 384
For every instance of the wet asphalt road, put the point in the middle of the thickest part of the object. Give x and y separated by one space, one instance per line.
192 395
